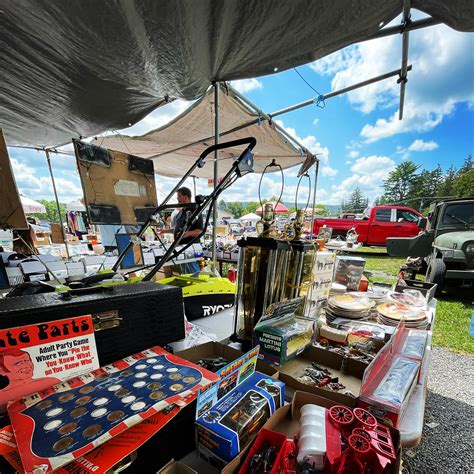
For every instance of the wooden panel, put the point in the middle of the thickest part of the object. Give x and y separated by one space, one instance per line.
11 211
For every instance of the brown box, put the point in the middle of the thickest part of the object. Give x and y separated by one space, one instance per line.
286 420
176 467
351 378
56 234
216 349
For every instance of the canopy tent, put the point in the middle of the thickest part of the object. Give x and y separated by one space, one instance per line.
176 146
278 209
72 69
250 217
32 207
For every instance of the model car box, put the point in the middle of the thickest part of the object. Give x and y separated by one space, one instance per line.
213 350
282 339
234 421
286 420
348 371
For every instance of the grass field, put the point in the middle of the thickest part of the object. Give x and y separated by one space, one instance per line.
453 312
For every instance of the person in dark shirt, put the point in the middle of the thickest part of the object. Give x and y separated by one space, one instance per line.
179 223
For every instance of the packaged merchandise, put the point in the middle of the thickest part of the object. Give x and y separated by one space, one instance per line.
57 425
234 421
282 334
349 271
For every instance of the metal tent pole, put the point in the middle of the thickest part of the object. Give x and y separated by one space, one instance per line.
48 159
216 172
316 171
405 43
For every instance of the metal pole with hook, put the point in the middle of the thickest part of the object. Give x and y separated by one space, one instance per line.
58 207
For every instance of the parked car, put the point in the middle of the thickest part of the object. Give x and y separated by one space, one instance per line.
378 223
446 243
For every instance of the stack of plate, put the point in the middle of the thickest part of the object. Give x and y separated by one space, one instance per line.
408 298
337 289
391 313
349 305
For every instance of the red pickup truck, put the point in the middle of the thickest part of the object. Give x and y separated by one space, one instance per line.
378 223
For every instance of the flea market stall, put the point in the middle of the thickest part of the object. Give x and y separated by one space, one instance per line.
105 374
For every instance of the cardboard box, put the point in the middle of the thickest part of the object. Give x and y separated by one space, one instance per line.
56 234
176 467
216 349
286 420
351 378
234 421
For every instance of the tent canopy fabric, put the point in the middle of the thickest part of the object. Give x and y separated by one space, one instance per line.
250 217
31 206
279 209
171 147
79 68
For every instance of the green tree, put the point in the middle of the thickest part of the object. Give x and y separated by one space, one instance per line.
400 182
446 187
222 204
425 187
51 214
357 202
464 184
252 206
236 208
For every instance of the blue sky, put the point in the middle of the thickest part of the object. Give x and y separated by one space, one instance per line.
358 135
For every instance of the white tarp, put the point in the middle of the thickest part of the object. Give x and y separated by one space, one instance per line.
171 147
81 67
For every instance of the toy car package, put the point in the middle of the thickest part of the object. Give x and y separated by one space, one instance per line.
231 424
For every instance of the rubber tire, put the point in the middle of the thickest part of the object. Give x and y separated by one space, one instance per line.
435 274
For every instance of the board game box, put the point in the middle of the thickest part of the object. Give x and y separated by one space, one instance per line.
66 421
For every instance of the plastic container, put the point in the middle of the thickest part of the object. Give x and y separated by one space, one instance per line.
312 436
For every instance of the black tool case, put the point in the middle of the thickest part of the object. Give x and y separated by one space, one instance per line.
127 318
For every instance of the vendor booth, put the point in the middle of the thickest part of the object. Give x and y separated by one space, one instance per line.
307 368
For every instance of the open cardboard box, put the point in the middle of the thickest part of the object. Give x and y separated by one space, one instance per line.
351 378
176 467
286 420
216 349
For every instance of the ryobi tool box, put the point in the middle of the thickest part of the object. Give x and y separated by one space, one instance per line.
204 294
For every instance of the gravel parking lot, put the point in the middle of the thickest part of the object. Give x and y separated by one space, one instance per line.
447 444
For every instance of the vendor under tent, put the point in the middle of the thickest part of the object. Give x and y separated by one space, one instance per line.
31 206
175 146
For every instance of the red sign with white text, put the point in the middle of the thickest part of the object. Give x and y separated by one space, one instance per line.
37 356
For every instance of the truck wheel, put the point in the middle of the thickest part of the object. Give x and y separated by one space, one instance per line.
435 274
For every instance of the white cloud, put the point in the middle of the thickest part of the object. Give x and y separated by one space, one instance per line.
353 154
372 164
246 85
316 121
369 174
348 162
420 145
40 187
441 78
315 147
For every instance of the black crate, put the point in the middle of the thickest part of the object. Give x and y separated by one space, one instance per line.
150 315
428 290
